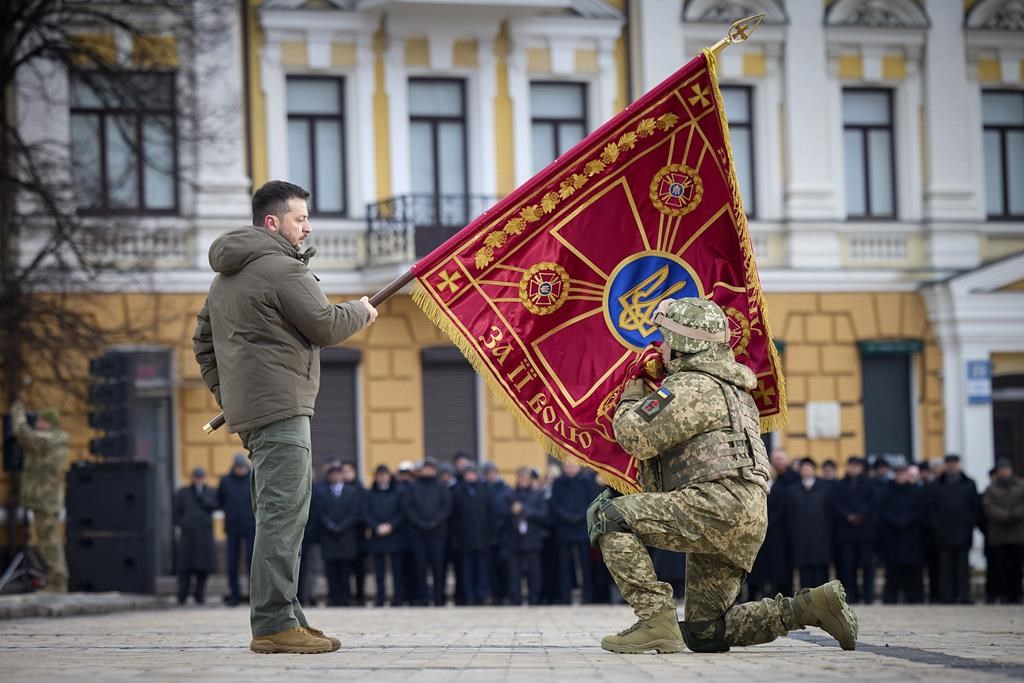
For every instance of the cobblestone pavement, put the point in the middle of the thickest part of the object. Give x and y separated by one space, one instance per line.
935 644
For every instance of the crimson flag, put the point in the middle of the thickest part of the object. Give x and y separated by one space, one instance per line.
550 293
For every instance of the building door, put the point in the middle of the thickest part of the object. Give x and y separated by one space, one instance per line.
1008 419
888 422
449 404
334 428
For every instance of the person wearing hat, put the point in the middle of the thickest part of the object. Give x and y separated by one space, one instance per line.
42 486
704 472
901 541
953 513
234 497
1003 502
193 516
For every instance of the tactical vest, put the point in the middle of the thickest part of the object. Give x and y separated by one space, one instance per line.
735 450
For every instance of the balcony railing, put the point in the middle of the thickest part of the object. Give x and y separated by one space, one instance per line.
408 227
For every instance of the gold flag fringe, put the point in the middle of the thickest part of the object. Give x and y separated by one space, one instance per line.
778 421
434 313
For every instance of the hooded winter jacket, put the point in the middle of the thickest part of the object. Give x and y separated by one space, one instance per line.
260 331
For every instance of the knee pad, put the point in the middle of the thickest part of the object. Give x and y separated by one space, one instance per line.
607 519
697 638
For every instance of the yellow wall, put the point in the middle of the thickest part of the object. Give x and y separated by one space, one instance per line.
822 363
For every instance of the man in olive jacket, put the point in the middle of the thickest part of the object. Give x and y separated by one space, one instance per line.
258 343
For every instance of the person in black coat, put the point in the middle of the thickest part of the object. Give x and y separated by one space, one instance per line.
309 563
953 509
382 514
350 475
473 516
193 515
340 510
571 495
855 505
902 538
234 497
526 512
809 525
500 491
773 569
427 507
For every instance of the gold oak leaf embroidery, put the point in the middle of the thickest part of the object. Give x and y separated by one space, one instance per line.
666 121
627 140
594 167
578 180
549 201
495 239
566 189
645 128
515 226
484 256
530 214
610 153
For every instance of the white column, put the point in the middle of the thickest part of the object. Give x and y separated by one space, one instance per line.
768 151
397 83
656 35
519 91
908 144
484 179
362 182
812 119
273 85
606 83
222 185
953 133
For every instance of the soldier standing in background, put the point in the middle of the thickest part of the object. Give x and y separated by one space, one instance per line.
193 514
703 464
42 486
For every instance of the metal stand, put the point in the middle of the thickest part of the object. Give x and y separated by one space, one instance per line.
24 567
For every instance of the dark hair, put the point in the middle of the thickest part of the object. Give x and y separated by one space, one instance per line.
808 461
349 463
272 199
382 468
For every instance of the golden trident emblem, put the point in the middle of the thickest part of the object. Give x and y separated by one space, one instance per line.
639 303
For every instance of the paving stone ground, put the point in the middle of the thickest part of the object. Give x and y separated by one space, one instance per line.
934 644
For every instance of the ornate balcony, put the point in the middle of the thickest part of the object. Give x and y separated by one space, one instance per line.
408 227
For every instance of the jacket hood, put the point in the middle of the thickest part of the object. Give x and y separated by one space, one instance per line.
718 361
237 248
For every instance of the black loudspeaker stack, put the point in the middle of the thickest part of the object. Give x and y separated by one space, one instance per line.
111 542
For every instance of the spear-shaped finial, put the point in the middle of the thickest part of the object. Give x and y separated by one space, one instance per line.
739 32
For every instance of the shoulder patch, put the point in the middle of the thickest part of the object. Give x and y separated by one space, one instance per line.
652 404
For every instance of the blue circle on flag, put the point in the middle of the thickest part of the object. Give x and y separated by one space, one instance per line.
637 286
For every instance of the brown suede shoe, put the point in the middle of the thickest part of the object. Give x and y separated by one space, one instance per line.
294 640
335 643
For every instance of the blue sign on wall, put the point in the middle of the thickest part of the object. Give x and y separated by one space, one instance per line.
979 381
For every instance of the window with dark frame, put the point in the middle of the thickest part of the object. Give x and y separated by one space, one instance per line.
739 110
449 404
868 153
438 149
316 141
1002 115
558 119
124 142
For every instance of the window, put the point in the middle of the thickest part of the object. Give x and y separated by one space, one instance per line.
867 147
886 396
437 137
334 428
1002 114
449 404
124 142
316 141
738 108
558 119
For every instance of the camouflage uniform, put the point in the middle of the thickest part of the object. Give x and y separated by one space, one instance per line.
705 472
42 489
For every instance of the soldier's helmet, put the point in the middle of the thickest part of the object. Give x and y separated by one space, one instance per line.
691 325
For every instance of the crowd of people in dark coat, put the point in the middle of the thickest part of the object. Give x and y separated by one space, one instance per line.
916 522
420 527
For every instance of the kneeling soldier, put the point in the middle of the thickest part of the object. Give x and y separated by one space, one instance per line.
703 466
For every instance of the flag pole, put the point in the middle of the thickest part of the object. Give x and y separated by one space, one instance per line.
739 32
377 299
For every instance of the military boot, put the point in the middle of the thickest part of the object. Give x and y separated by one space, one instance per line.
659 633
335 643
294 640
826 608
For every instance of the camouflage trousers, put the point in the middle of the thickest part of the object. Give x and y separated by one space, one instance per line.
713 582
51 549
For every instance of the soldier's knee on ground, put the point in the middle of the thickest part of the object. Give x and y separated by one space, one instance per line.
606 518
705 636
